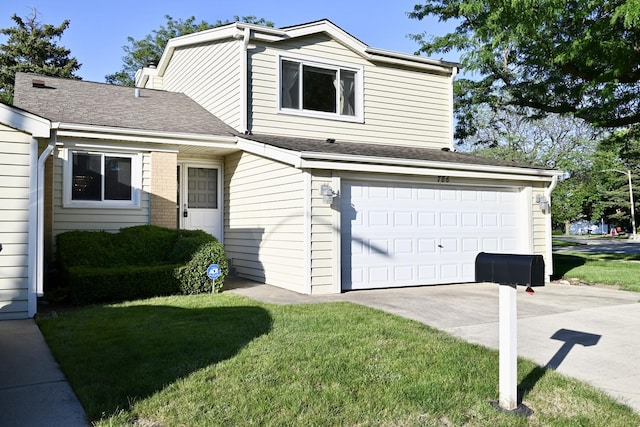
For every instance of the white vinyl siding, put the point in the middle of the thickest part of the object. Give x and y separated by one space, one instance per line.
401 106
323 237
541 230
264 220
15 170
210 75
99 218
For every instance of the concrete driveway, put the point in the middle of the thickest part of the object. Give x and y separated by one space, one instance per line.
589 333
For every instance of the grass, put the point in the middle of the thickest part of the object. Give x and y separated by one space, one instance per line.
620 270
225 360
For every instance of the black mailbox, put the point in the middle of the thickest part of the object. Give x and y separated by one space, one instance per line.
510 269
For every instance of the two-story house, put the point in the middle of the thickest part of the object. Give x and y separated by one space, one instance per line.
321 163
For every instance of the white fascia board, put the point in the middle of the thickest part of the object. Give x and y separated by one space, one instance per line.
138 135
36 126
403 58
335 32
408 170
431 168
274 153
234 30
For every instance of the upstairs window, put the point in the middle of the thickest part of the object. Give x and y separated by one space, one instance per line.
103 179
320 90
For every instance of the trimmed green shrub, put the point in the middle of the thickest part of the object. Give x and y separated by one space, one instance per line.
137 262
102 285
193 276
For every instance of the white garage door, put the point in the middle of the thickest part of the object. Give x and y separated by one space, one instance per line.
406 235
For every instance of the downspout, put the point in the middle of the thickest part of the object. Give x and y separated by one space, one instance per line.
454 74
40 206
550 188
244 91
547 219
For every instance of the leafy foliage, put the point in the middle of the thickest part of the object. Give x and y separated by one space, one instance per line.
140 53
31 47
575 57
616 156
193 277
552 141
137 262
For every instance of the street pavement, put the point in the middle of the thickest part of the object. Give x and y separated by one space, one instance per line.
600 245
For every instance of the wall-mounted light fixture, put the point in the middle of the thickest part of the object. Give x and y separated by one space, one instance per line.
327 194
543 202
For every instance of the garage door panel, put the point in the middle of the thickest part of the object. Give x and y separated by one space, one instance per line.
404 235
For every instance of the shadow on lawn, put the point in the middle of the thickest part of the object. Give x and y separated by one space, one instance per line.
116 356
563 263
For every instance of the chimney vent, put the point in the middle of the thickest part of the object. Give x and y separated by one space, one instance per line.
37 83
137 92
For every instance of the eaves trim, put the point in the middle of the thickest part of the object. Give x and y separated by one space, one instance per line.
369 164
140 135
22 120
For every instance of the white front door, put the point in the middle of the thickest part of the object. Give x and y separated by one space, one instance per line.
200 198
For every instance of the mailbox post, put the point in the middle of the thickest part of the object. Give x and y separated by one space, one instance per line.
509 271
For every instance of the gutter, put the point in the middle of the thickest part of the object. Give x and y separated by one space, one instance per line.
40 209
244 72
454 73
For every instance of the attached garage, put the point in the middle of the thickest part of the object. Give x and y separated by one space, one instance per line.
421 234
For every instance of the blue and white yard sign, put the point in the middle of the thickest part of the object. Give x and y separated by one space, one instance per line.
213 271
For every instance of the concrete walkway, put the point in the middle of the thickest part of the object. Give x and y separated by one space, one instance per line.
33 390
589 333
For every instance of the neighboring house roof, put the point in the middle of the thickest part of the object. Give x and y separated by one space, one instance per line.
330 150
71 101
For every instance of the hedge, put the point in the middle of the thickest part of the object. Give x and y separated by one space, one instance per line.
137 262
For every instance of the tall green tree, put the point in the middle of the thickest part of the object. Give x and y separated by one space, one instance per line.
139 53
31 46
616 155
576 57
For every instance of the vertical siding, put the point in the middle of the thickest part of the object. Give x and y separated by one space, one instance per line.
541 233
209 74
323 234
15 169
264 220
401 106
66 219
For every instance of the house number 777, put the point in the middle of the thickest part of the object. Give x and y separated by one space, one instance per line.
443 179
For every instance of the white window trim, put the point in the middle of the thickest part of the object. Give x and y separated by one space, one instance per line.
330 65
67 179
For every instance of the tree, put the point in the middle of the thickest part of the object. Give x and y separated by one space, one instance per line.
552 141
31 47
576 57
616 155
139 53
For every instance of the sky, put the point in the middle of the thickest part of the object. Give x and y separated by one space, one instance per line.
99 30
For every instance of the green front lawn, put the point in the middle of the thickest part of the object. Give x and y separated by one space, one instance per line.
225 360
620 270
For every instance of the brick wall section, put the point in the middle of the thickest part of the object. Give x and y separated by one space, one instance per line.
164 189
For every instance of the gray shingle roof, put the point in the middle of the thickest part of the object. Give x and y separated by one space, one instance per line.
99 104
381 151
